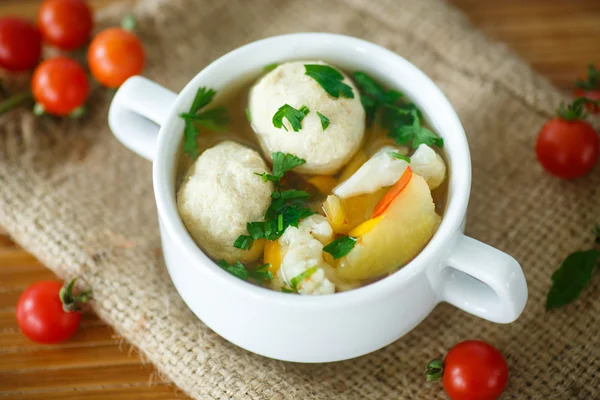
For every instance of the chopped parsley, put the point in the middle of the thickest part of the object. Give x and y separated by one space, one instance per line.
403 120
287 207
399 156
293 115
270 67
340 247
324 121
330 79
215 119
282 163
415 133
260 274
297 280
248 116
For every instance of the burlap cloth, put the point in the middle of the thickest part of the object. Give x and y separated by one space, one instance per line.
83 204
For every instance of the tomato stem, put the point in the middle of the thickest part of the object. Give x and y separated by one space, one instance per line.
434 371
70 301
128 23
78 112
14 101
576 110
38 109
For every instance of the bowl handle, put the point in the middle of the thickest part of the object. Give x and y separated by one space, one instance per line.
138 109
483 281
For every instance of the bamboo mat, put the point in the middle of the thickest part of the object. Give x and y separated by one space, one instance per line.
557 37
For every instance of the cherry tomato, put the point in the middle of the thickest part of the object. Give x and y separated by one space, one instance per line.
567 149
40 314
20 44
115 55
60 85
472 370
66 24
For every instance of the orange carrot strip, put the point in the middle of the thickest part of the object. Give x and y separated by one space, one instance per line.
392 193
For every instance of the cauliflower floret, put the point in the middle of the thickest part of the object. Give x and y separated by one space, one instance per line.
429 164
302 248
381 170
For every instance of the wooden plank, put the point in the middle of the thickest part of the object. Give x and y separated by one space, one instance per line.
110 375
155 392
66 358
86 336
8 321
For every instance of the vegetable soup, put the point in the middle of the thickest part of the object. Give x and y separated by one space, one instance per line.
309 179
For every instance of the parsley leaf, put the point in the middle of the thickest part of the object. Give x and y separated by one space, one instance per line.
203 97
294 116
324 121
399 156
270 67
190 147
298 279
330 79
416 133
248 116
284 162
215 119
593 79
236 269
372 95
569 280
244 242
261 274
340 247
287 206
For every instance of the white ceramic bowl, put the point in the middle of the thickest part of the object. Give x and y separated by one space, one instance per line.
453 267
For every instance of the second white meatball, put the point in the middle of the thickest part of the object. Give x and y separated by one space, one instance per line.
219 195
325 151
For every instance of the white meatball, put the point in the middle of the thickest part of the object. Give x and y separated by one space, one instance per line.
326 151
429 164
219 195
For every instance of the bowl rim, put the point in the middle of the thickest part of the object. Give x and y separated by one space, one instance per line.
445 122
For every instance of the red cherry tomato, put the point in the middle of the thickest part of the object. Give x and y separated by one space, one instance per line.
474 370
66 24
115 55
567 149
60 85
20 44
40 314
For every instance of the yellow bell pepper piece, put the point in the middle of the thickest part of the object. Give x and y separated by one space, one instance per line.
365 227
272 255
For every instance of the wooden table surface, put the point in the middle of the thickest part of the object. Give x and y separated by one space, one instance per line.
558 37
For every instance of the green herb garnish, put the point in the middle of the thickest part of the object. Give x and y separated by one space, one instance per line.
294 116
575 272
330 79
593 79
324 121
415 133
297 280
372 95
340 247
215 119
237 269
248 116
244 242
270 67
282 163
287 207
399 156
260 274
